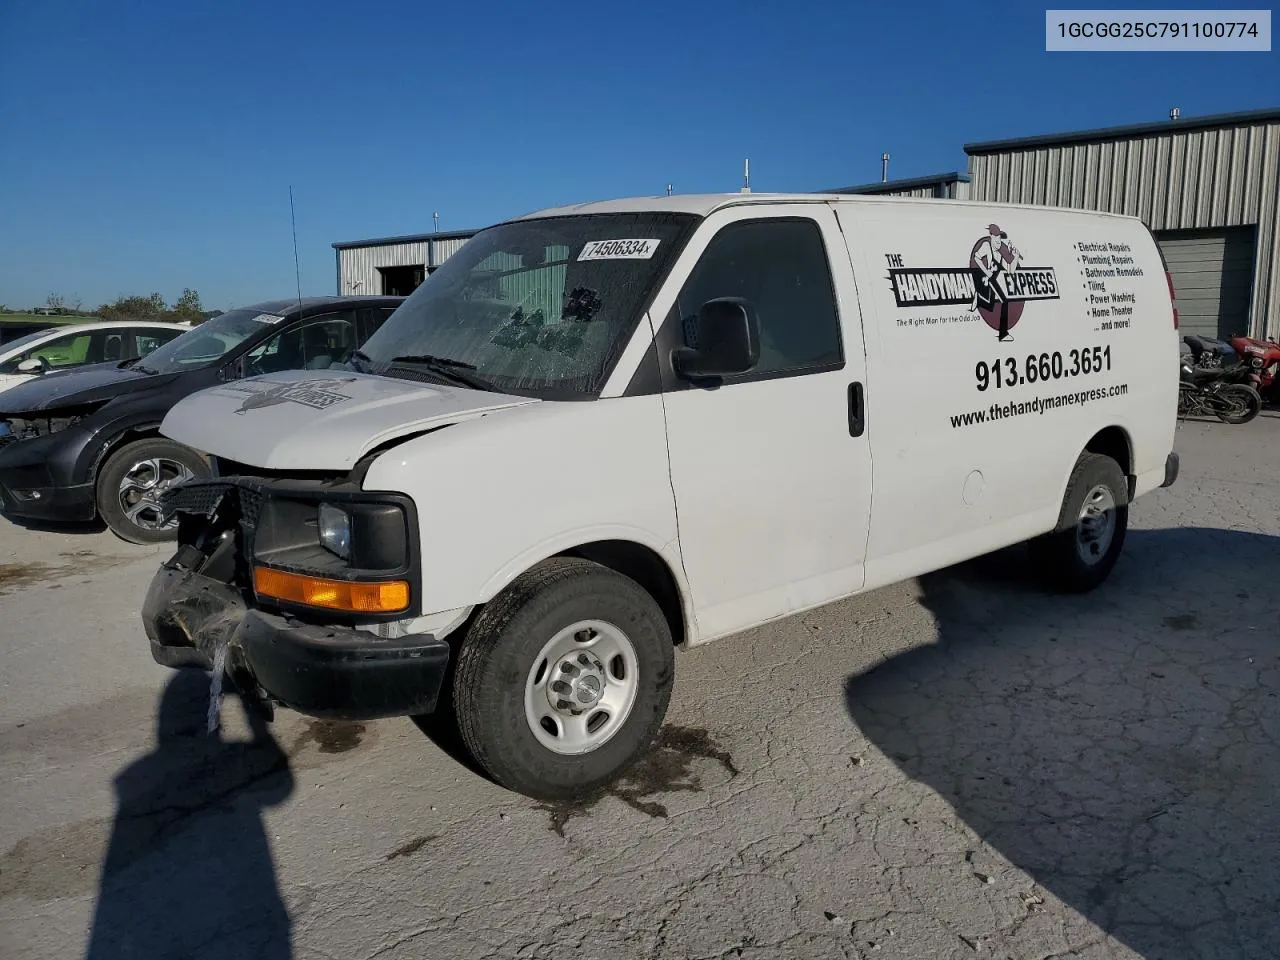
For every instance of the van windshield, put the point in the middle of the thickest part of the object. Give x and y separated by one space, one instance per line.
536 307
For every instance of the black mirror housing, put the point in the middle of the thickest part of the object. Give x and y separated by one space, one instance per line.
726 341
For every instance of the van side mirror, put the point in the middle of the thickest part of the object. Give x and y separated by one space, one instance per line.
725 340
33 365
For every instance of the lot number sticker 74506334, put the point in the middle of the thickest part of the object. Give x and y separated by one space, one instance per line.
618 250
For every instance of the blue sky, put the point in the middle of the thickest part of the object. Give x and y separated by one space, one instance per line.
151 145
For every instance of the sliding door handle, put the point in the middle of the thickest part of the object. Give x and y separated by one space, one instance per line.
857 411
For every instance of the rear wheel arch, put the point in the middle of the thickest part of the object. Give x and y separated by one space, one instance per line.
1114 442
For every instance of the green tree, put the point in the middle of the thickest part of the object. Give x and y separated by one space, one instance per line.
187 306
135 307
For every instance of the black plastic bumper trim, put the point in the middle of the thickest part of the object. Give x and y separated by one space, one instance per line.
1171 466
325 671
54 503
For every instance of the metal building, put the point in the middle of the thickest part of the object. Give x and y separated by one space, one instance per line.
394 266
1206 186
949 186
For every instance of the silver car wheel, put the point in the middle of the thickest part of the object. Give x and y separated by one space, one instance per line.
142 486
1096 525
581 687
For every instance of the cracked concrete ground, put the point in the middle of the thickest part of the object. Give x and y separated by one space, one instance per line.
950 768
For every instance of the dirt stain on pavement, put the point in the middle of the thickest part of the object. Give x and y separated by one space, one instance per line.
665 768
332 736
17 575
1182 621
23 574
412 847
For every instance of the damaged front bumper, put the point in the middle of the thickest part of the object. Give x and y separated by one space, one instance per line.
321 671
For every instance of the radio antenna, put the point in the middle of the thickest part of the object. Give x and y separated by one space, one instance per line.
297 266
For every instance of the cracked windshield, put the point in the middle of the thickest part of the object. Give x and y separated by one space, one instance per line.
532 307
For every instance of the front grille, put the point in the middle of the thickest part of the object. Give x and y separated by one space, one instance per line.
198 499
205 498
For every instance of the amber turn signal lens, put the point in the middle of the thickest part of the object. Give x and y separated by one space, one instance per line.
386 596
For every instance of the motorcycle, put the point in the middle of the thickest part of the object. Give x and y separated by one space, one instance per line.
1263 357
1205 391
1210 354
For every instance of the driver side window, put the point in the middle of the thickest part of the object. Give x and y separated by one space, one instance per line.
779 266
321 343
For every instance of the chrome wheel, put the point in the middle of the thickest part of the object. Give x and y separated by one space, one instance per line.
581 687
142 486
1096 525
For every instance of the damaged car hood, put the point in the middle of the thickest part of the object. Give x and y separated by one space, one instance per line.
90 384
301 421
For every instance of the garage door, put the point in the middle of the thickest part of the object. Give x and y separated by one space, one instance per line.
1212 277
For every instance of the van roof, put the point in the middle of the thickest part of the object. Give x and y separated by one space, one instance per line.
703 204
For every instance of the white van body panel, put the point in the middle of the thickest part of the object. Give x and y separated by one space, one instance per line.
947 489
295 420
772 493
756 496
495 496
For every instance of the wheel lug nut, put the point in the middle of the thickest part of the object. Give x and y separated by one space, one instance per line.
560 687
584 660
562 704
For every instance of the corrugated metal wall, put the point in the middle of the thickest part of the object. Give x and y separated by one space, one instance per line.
924 192
362 263
444 249
955 190
1189 180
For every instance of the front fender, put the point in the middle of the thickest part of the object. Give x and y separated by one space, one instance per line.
498 494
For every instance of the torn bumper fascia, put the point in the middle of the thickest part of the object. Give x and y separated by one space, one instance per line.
321 671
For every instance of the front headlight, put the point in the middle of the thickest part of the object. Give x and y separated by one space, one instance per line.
335 530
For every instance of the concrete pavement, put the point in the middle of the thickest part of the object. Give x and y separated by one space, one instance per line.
956 767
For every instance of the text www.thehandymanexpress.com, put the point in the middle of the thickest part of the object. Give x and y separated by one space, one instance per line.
1001 411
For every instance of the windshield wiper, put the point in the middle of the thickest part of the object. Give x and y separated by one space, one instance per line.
447 368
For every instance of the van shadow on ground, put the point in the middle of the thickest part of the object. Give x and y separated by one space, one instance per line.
188 870
1121 748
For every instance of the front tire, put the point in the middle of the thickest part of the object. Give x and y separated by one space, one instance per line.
133 478
564 679
1243 403
1081 556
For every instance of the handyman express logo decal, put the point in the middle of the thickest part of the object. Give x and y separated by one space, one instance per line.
319 393
995 285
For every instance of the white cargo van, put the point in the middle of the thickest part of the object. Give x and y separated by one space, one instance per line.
600 432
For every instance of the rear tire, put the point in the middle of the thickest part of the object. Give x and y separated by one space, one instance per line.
515 652
1246 403
1081 556
131 481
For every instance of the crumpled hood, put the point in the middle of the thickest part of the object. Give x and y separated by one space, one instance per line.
67 388
303 421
